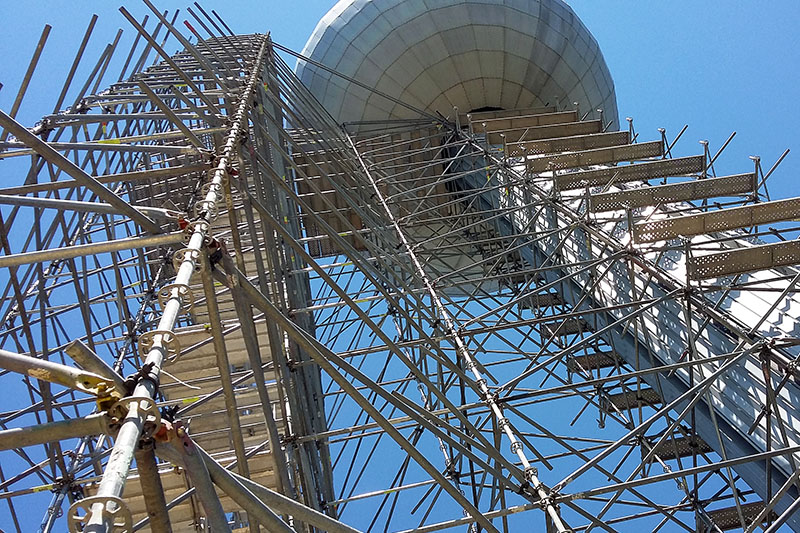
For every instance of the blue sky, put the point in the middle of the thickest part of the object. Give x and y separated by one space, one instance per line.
718 66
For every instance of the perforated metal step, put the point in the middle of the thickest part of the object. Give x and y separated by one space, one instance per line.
538 301
592 361
728 518
568 144
596 156
682 166
524 121
547 132
562 328
744 260
664 229
634 399
503 113
680 448
676 192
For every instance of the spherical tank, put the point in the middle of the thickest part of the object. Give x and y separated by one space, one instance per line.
439 54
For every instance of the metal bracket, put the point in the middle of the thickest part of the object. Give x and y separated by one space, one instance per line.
184 294
181 255
206 188
208 206
115 511
169 342
191 227
152 417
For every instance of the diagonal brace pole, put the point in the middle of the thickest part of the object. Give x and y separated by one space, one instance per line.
77 173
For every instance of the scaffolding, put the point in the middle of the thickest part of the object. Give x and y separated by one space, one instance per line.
231 313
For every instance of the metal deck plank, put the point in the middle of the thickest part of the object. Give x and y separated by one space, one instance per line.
505 113
596 156
567 144
553 131
525 121
743 260
664 229
676 192
681 166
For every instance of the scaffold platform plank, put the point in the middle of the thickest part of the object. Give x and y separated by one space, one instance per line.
592 361
664 229
743 260
552 131
676 192
538 301
727 519
634 399
568 144
505 113
681 166
562 328
524 121
595 156
680 448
